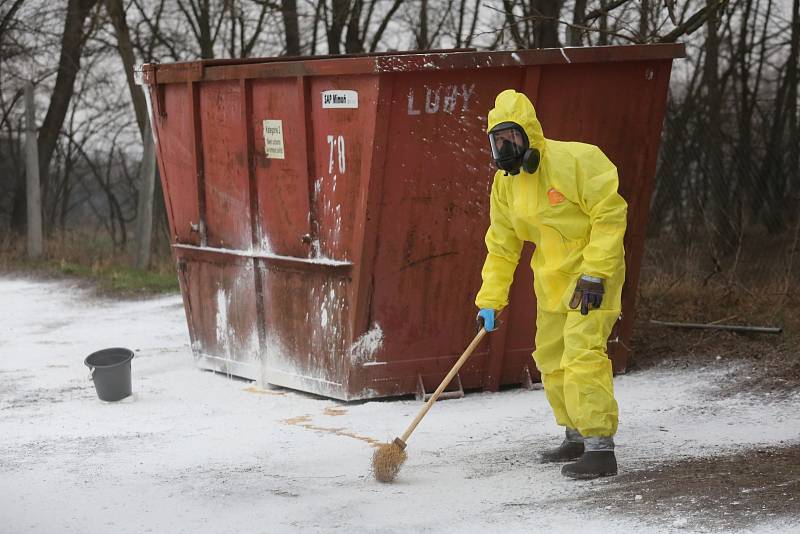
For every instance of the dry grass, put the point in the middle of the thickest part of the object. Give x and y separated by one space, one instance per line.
92 262
689 286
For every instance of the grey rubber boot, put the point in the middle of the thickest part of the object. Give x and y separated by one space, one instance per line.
570 449
597 461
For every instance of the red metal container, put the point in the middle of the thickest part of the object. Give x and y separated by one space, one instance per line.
327 214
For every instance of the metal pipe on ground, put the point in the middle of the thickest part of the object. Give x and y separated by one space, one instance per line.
726 327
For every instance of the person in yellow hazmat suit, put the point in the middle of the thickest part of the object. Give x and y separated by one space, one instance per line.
561 196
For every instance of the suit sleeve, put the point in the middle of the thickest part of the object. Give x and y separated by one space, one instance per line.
503 250
598 182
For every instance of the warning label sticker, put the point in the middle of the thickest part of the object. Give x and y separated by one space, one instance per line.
340 99
273 139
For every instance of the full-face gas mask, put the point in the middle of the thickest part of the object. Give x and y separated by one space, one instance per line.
511 149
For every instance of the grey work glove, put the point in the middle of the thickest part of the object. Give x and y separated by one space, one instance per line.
588 294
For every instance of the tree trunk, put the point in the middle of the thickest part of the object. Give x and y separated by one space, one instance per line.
291 26
644 21
206 35
513 28
578 14
422 35
7 18
792 111
475 14
717 183
773 173
340 9
744 149
72 42
125 48
603 37
318 16
376 37
462 7
545 34
352 42
144 215
17 155
145 203
34 201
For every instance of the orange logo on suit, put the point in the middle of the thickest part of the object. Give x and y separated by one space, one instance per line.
555 197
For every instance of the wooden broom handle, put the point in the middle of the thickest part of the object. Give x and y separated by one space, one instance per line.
464 357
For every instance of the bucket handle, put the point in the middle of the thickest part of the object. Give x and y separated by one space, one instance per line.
91 373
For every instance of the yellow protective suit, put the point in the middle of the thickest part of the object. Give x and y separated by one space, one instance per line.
569 207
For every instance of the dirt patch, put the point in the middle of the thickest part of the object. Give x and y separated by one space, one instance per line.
718 493
765 364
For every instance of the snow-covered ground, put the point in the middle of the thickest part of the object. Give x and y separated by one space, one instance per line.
194 451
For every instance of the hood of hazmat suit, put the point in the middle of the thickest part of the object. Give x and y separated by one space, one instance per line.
570 209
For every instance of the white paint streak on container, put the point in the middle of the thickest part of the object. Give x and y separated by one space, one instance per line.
223 332
363 349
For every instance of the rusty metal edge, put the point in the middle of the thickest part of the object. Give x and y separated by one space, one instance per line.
247 138
307 138
251 371
367 216
193 65
336 268
306 384
154 73
198 156
403 377
620 351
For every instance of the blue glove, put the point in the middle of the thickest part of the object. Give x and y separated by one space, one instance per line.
486 319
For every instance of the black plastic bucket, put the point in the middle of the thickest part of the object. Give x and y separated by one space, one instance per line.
111 373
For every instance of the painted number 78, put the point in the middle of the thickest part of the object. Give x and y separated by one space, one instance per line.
336 145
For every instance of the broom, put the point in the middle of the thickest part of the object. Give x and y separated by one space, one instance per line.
389 457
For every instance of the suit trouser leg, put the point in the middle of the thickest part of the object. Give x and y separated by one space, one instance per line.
588 377
548 355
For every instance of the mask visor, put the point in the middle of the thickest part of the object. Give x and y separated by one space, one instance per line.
507 142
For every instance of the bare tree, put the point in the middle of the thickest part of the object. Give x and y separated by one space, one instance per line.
291 27
34 201
352 26
578 20
9 10
72 42
462 40
773 172
730 146
204 18
116 13
336 18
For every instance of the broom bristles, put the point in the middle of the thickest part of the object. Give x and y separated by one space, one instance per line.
387 460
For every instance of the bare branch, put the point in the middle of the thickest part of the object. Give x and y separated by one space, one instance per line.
376 37
693 23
